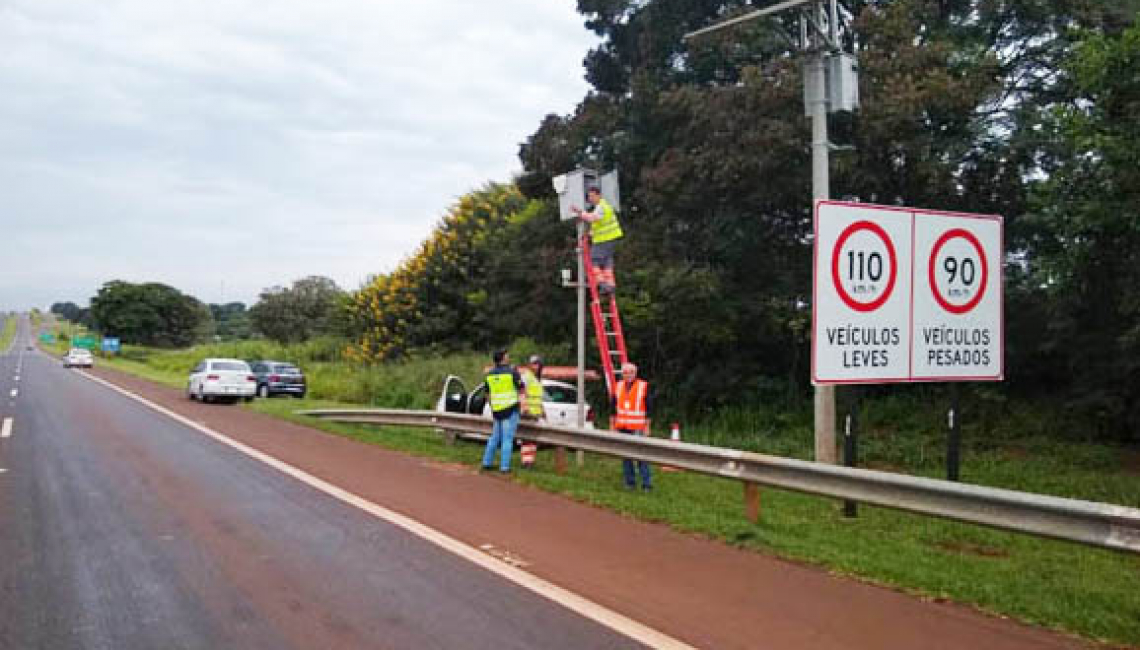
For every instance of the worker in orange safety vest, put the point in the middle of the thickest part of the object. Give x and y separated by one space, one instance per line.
632 403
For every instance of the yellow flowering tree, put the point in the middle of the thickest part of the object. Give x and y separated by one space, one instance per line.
437 298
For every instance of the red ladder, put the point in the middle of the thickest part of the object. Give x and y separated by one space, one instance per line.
607 325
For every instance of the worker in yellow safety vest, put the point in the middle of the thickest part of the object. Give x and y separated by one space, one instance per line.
532 410
632 404
503 387
605 231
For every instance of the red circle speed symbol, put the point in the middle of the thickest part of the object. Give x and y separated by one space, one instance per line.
973 302
875 229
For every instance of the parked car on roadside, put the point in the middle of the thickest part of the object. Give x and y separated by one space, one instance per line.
278 378
78 358
221 379
559 401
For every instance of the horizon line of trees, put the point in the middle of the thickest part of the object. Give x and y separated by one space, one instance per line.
158 315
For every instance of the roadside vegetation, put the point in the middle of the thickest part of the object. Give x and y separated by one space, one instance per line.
1016 445
8 331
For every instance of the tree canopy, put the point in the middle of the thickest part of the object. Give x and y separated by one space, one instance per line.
299 312
149 314
1024 109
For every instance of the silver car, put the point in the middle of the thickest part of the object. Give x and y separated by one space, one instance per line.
221 379
78 358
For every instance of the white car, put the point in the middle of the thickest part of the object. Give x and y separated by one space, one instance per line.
221 379
78 358
559 401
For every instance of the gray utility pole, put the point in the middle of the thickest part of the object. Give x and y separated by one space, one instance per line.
580 457
819 38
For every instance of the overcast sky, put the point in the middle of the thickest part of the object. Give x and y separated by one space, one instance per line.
223 146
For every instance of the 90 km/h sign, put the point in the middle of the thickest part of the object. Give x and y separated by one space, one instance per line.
902 294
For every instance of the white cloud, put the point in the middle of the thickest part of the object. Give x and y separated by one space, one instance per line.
228 141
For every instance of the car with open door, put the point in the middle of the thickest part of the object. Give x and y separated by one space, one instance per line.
559 401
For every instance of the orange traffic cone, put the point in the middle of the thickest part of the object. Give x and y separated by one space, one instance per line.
675 436
529 454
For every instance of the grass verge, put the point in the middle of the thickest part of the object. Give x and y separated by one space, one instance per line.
8 332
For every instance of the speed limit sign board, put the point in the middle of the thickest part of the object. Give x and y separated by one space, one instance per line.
861 310
902 294
957 320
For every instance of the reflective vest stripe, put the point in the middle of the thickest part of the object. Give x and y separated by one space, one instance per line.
631 413
504 395
533 393
607 228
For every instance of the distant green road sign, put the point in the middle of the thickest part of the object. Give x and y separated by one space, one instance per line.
47 338
87 342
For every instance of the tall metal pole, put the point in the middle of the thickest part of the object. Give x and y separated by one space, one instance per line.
815 86
580 456
825 451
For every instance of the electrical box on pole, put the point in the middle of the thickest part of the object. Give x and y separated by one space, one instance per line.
842 83
571 188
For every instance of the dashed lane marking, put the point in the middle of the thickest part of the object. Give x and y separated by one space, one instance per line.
568 599
6 428
15 392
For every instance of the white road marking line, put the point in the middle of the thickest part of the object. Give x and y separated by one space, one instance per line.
15 392
568 599
6 428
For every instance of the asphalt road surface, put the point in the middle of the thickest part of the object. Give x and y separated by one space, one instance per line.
121 528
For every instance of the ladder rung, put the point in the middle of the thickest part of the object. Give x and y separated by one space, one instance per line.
615 353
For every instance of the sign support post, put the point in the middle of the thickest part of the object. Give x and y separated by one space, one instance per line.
850 445
821 190
954 440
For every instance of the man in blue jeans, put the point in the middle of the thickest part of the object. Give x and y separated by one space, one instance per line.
503 387
633 406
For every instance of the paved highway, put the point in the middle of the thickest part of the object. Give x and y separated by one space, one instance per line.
122 528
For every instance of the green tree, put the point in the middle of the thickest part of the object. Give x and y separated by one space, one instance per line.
231 320
149 314
306 309
68 311
712 145
444 297
1085 258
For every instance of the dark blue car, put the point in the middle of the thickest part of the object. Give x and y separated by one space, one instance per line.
278 378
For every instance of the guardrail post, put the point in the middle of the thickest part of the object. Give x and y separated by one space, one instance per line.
752 501
560 460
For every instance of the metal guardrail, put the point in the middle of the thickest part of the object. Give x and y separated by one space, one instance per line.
1089 522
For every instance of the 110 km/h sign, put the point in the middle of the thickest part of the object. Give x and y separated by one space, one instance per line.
902 295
